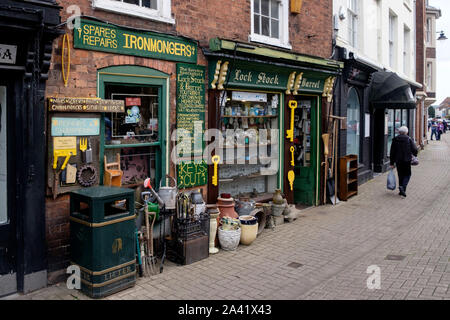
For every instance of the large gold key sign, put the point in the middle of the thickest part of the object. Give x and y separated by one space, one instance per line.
290 132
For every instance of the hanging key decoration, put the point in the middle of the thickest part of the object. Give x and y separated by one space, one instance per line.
290 132
215 178
292 156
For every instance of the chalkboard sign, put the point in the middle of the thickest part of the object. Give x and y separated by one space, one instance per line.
190 116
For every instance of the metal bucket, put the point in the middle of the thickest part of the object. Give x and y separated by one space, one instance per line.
168 194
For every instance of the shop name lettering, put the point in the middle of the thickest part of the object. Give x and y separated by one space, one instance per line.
310 84
262 77
105 37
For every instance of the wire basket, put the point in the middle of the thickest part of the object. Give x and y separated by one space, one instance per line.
190 228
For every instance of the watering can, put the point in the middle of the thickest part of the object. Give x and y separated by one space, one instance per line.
168 194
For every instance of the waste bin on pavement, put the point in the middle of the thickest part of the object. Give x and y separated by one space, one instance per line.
102 239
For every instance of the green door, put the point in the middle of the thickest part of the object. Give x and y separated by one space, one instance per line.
305 142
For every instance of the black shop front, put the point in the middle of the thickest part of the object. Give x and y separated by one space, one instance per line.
27 30
393 104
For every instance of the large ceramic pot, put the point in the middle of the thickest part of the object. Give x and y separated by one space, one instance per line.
244 206
278 209
249 229
226 208
229 239
277 197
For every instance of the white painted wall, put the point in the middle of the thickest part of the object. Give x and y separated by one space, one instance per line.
373 33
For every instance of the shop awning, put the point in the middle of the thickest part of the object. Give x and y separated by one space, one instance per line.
389 91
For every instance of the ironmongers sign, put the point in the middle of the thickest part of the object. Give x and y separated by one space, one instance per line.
98 36
85 105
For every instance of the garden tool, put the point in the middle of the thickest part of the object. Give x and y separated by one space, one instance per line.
138 255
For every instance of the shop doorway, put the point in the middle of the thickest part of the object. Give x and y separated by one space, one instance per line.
305 150
8 283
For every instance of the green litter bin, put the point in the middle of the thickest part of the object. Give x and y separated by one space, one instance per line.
102 239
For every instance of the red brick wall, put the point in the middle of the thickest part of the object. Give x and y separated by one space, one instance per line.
420 40
197 19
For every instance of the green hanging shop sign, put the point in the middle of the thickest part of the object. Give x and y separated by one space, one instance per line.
93 35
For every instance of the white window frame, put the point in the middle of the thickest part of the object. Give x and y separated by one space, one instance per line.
428 30
353 11
392 40
429 76
162 14
283 27
406 50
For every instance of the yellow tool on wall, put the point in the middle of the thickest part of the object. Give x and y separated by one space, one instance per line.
62 147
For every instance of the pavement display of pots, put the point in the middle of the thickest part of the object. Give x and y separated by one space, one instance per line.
229 239
249 229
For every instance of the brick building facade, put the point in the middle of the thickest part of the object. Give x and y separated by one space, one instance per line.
309 35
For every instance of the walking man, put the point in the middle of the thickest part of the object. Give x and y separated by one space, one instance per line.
402 149
434 129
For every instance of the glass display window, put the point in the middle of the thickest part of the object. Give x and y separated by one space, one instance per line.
136 163
353 123
139 123
302 134
251 157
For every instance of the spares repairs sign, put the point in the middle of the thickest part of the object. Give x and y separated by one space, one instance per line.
98 36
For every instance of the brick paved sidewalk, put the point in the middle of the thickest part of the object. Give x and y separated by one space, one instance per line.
331 248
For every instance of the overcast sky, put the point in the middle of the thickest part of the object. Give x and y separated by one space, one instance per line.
443 50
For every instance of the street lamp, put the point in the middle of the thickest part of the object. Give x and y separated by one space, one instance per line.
442 36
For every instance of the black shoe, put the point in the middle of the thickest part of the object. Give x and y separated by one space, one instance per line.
402 193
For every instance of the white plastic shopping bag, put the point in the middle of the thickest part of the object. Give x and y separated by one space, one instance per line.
391 182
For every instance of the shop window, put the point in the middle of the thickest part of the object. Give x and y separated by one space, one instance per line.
139 123
390 133
269 22
135 134
251 156
405 117
353 7
353 123
159 10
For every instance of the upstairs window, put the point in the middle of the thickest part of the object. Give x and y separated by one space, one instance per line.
353 23
270 22
159 10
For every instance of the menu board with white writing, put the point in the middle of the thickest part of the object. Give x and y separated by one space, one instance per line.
190 113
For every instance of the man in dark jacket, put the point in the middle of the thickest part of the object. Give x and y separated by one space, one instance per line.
402 149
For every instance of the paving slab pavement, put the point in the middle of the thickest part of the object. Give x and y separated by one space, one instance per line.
326 252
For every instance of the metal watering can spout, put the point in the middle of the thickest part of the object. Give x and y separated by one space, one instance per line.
147 184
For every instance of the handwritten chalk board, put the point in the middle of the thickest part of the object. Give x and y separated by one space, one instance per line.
190 116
